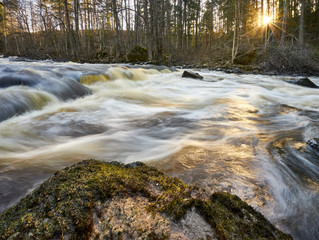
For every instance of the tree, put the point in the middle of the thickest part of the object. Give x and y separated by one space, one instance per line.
236 31
117 27
86 29
67 16
302 24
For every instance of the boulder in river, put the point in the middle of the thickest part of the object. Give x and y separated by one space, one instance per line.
137 54
64 89
188 74
96 200
18 101
304 82
314 143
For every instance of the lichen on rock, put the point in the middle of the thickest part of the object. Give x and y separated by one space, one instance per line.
97 200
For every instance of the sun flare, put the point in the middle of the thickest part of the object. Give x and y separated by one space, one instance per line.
266 20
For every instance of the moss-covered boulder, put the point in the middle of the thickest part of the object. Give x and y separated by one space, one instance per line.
246 58
96 200
137 54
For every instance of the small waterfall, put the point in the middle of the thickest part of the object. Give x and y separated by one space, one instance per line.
245 134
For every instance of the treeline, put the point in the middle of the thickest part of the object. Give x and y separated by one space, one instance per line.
170 30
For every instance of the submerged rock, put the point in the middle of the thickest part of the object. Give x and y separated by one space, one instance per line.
304 82
64 89
18 101
187 74
96 200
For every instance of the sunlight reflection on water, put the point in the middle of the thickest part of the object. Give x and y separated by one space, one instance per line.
244 134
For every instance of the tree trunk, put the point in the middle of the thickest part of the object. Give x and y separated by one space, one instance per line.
197 24
88 26
117 31
128 22
284 21
76 20
180 23
168 24
69 27
148 31
136 23
302 24
236 31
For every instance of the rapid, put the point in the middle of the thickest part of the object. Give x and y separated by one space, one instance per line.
245 134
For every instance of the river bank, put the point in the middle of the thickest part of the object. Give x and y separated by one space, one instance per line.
276 61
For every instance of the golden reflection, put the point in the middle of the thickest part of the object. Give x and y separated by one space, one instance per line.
224 167
239 110
127 73
300 146
313 185
227 163
90 79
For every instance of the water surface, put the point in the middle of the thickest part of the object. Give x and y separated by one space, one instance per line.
245 134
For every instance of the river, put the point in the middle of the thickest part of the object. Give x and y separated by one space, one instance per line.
245 134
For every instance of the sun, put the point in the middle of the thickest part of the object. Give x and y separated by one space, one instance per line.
266 20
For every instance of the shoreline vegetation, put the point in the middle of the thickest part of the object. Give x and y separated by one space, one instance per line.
268 37
98 200
280 62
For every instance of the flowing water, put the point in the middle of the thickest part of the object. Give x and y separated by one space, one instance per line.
245 134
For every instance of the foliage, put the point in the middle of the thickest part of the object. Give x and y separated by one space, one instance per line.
95 30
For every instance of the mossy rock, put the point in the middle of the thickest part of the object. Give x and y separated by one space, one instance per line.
96 200
246 58
137 54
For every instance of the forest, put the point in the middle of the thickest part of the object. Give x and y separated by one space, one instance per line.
281 35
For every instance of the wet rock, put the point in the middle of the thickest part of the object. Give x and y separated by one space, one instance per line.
188 74
228 71
14 80
237 70
314 143
96 200
135 165
271 73
19 101
62 88
304 82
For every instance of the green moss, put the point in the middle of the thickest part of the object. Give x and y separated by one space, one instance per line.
64 204
235 219
137 54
